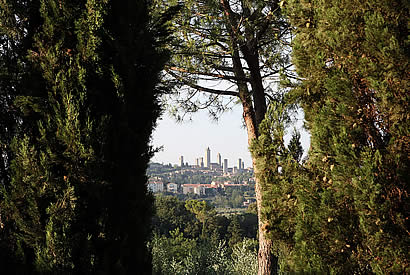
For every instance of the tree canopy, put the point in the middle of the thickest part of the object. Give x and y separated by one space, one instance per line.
345 209
79 87
225 48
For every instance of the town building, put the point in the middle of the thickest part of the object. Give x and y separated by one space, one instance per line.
172 187
198 189
234 170
249 201
156 186
214 166
219 159
207 157
225 166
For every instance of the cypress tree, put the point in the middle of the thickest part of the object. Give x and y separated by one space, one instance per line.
17 76
235 232
352 198
345 211
77 198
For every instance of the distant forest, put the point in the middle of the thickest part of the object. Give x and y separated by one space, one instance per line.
82 84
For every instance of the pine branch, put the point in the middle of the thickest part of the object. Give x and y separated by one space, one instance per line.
201 88
215 75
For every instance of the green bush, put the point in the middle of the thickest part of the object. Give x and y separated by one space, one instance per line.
180 255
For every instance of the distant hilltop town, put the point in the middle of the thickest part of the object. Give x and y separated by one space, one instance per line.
204 178
219 165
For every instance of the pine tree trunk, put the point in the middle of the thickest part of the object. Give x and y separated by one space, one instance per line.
267 262
254 109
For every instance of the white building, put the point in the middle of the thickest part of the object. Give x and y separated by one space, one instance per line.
156 186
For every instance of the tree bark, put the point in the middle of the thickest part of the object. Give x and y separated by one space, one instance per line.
267 262
254 109
250 54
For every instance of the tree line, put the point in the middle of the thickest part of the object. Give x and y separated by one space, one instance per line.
80 90
190 238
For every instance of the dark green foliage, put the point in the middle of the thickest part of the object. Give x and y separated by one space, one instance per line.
278 170
249 225
77 200
356 104
235 232
170 214
205 216
7 120
17 77
199 220
199 241
346 210
295 147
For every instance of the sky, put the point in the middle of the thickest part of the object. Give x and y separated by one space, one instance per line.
190 139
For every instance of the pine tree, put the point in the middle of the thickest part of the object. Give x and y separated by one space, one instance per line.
225 52
295 147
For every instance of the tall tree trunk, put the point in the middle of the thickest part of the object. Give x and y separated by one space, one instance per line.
250 54
267 262
254 109
253 115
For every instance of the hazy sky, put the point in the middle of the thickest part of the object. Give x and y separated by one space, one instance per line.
191 138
